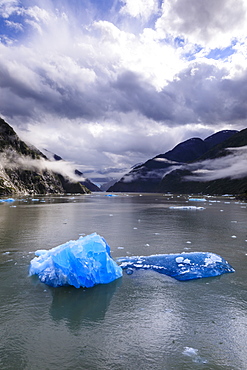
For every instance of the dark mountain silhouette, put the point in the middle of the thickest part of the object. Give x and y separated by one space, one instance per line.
178 180
147 176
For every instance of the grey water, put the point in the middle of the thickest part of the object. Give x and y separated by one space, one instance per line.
141 321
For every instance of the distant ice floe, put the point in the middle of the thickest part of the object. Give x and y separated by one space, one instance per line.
197 199
191 208
9 200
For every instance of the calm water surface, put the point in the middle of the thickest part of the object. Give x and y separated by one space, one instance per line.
142 321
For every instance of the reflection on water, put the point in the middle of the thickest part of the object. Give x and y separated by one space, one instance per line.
79 306
141 321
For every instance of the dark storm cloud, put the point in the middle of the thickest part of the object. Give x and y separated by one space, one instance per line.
200 93
134 93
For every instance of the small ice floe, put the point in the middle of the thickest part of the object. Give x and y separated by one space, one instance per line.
197 199
120 247
192 208
183 266
234 236
193 353
168 310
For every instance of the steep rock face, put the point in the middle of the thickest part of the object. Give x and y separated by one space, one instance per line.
20 172
147 176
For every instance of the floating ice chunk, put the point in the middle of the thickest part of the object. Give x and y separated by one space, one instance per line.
197 199
9 200
193 353
192 208
82 263
185 266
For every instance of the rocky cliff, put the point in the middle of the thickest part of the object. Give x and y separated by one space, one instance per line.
23 168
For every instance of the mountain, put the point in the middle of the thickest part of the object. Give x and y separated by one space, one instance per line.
107 185
24 170
179 181
84 181
147 176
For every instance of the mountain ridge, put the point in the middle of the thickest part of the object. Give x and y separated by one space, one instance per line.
23 170
164 172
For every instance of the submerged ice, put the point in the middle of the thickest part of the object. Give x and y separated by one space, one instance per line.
82 263
185 266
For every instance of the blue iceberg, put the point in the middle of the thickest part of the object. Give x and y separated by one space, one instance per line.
184 266
81 263
9 200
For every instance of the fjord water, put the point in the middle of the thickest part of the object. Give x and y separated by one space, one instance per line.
141 321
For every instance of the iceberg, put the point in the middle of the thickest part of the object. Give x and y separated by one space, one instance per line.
184 266
81 263
9 200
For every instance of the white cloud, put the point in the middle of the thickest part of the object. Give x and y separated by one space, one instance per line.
14 25
8 7
210 23
140 8
231 166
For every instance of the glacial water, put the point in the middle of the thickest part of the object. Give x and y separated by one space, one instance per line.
141 321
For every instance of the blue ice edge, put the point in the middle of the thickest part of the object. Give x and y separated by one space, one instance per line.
184 266
87 262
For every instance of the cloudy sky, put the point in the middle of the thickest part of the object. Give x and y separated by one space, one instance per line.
108 84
